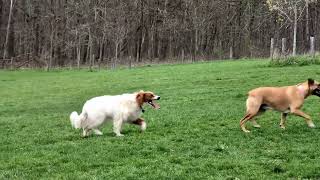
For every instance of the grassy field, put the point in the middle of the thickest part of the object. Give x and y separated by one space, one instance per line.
195 134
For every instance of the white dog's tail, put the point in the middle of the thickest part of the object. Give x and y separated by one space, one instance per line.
76 120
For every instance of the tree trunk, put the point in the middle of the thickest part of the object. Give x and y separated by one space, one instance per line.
91 51
1 9
140 41
36 29
89 48
116 56
283 46
151 44
49 64
196 47
101 51
78 47
5 53
294 48
307 23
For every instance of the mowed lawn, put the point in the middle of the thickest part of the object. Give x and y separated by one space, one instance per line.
195 134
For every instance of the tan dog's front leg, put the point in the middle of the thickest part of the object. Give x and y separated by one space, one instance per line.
305 116
283 120
140 122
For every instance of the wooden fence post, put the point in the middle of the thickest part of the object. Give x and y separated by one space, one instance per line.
312 51
182 55
231 52
130 62
11 63
271 48
283 46
91 62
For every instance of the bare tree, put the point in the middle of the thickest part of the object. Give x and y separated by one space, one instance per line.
5 52
292 11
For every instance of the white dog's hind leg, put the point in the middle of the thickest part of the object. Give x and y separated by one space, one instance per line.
140 122
117 126
97 132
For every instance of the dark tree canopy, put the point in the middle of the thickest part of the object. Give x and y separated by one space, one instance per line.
83 32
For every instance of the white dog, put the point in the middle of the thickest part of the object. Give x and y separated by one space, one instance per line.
125 108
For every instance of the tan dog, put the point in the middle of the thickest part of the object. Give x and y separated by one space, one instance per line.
287 99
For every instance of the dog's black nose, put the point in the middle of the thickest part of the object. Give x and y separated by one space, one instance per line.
158 98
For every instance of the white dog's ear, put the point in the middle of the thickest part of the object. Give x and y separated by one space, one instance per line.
141 91
140 98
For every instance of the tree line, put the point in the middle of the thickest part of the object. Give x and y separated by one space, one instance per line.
51 33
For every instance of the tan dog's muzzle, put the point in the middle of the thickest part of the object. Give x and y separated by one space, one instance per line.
316 92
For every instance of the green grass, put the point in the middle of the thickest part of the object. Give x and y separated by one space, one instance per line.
195 134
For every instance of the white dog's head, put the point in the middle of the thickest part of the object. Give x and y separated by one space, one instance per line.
147 97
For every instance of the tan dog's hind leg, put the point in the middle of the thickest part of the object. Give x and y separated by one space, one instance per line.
246 118
254 122
304 115
253 105
283 120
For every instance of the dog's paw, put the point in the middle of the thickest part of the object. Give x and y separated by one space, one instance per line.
143 126
282 127
311 125
97 132
256 126
119 135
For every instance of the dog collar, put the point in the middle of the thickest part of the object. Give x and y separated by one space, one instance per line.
142 109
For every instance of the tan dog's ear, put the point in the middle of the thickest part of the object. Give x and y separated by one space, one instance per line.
310 82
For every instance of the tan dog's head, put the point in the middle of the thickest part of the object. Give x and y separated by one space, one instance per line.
147 97
314 87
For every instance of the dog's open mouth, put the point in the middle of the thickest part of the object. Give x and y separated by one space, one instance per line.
153 104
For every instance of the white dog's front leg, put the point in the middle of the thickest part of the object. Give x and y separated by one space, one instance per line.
143 126
86 132
117 126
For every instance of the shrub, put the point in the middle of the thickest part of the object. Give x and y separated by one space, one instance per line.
294 61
